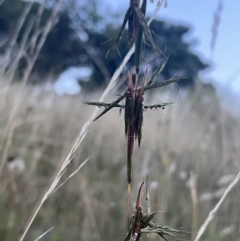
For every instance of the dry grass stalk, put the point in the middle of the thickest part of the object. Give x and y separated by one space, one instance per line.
13 39
42 235
215 25
192 183
30 63
54 185
89 211
9 74
99 63
213 212
37 28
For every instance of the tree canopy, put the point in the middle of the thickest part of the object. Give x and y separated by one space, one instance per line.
75 42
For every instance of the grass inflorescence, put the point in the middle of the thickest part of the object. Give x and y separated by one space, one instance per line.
134 107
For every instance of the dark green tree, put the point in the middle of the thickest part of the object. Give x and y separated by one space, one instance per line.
182 61
61 48
168 38
79 39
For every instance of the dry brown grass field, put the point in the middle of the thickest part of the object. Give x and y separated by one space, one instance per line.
191 151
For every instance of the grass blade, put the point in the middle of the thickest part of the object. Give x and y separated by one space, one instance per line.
145 27
138 49
147 194
155 106
139 39
126 18
102 104
42 235
157 72
112 105
163 83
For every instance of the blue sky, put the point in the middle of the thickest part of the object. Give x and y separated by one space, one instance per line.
225 62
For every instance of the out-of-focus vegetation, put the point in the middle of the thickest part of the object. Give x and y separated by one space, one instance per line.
193 138
190 149
76 40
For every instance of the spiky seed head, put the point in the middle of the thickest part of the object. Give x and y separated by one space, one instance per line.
147 218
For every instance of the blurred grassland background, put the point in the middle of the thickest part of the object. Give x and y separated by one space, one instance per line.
190 149
191 144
